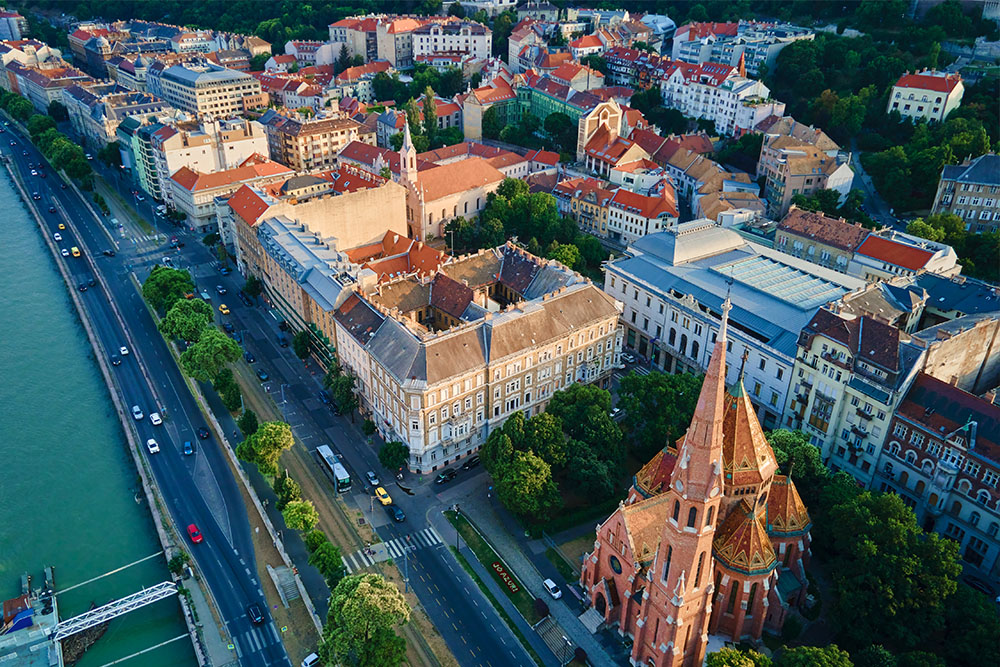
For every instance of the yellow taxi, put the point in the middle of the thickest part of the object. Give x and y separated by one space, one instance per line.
62 226
224 309
382 496
75 251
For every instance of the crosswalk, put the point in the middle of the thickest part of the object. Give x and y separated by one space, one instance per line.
255 639
427 537
639 370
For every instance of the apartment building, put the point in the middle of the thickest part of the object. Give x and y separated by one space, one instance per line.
971 191
928 95
673 284
818 238
205 89
793 166
396 38
357 81
29 52
193 193
358 34
311 142
95 112
12 25
941 456
497 94
586 201
527 34
42 85
452 38
491 7
440 361
890 253
308 52
752 42
632 215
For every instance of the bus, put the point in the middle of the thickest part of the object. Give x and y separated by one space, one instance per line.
335 468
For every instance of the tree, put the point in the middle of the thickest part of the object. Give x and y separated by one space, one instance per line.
232 398
265 446
314 539
543 434
58 111
258 62
526 488
287 490
491 123
301 344
300 515
568 255
177 563
211 239
812 656
342 389
971 630
456 9
248 423
38 124
328 559
658 408
875 655
497 451
209 354
359 629
798 457
186 320
394 455
253 286
594 61
20 109
111 154
503 25
734 657
430 123
561 130
164 286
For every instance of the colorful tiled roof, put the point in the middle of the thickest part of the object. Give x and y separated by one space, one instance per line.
741 542
786 513
893 252
747 458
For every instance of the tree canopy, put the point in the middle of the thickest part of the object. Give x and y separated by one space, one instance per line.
265 446
204 359
394 455
658 408
165 285
360 626
186 320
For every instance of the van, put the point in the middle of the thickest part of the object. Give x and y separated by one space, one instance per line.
310 660
551 587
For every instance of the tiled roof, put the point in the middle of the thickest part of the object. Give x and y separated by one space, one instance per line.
984 170
248 204
450 296
693 31
741 542
647 207
813 225
895 253
939 82
747 458
653 478
362 71
787 515
586 42
545 157
447 179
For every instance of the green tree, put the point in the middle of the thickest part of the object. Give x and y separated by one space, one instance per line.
503 25
543 434
265 446
561 130
213 351
734 657
164 286
497 451
360 626
796 456
328 559
111 154
658 408
58 111
456 9
211 239
875 655
592 477
186 320
491 123
177 563
971 630
253 286
813 656
342 390
38 124
301 344
596 62
300 515
231 396
286 489
567 254
924 659
526 488
394 455
258 62
919 227
430 121
314 539
20 109
248 423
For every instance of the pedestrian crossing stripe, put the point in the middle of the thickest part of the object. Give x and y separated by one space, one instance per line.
427 537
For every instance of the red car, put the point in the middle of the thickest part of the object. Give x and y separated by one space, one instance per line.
195 534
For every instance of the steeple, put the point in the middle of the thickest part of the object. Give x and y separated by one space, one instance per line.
408 157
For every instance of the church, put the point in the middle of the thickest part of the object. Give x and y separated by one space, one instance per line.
711 540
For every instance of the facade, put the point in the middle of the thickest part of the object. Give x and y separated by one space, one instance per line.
205 89
358 35
711 540
673 283
586 201
891 253
312 52
42 86
96 111
12 25
971 191
311 142
929 95
796 167
942 458
497 94
753 42
850 374
397 38
442 360
829 242
452 38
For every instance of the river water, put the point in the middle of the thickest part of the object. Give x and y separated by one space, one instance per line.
67 483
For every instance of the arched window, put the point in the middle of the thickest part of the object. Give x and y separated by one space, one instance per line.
992 532
894 449
956 508
718 579
753 594
974 518
694 349
711 514
666 565
788 555
926 466
732 598
904 477
684 344
672 338
965 486
692 517
919 488
697 572
677 510
983 497
911 457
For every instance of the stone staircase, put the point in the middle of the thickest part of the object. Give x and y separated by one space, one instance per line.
555 638
284 581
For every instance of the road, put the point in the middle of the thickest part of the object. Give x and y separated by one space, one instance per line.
466 620
877 208
198 489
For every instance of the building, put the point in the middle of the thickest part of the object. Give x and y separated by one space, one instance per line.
42 86
818 238
311 142
942 458
496 94
850 374
205 89
971 191
711 540
508 163
358 35
673 283
794 167
539 11
12 25
442 360
586 201
527 34
892 253
929 95
491 7
96 111
632 215
193 193
388 124
963 351
357 81
396 38
755 43
578 77
312 52
453 38
601 145
29 52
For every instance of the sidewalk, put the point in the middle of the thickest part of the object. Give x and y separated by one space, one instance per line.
509 547
209 631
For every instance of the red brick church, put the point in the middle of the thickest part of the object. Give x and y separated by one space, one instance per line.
710 539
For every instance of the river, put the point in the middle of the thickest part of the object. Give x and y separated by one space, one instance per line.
67 483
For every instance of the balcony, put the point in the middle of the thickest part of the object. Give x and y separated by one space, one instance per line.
867 416
859 430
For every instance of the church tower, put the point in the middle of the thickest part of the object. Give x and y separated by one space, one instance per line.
408 179
677 604
408 158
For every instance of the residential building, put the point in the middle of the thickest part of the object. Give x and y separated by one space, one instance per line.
390 123
663 29
891 253
818 238
928 95
396 38
204 88
942 458
310 142
358 35
715 492
312 52
497 94
281 63
453 37
673 284
539 11
207 146
442 360
238 59
963 352
357 81
661 149
755 43
29 52
528 33
491 7
578 77
376 160
586 201
193 193
632 215
600 144
971 191
42 85
508 163
12 25
850 374
795 167
96 111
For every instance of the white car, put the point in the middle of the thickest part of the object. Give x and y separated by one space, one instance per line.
310 660
123 350
154 418
57 236
152 446
136 412
64 252
551 587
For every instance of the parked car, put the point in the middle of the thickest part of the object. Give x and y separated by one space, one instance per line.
245 298
282 341
83 287
310 660
220 289
551 587
195 534
395 513
628 357
445 475
249 357
152 446
228 327
225 270
324 397
471 462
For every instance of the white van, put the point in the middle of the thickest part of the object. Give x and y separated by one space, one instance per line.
551 587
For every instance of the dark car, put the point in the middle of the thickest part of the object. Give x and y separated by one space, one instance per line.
445 475
109 253
262 375
36 196
324 396
249 357
220 289
225 270
255 615
83 287
116 360
245 298
63 186
237 336
396 513
92 282
228 326
283 325
471 463
282 341
203 433
52 209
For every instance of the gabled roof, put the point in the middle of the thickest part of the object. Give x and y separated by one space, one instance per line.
248 204
939 82
644 523
446 179
646 206
835 232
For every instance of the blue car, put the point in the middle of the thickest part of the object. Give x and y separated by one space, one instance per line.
188 448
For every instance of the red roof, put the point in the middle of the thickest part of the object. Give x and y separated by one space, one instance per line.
586 42
699 30
545 157
941 83
893 252
647 207
248 205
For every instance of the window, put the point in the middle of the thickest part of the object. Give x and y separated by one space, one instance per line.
677 510
711 513
697 572
666 564
753 594
692 517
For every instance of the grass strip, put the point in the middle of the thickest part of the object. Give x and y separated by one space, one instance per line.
499 609
562 566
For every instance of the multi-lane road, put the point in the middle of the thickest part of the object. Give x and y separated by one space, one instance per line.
199 488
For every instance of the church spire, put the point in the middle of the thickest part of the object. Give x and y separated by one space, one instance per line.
407 156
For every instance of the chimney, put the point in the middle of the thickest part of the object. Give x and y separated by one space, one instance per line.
954 381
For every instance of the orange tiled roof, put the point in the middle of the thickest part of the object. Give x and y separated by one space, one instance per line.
786 513
195 181
447 179
747 458
741 542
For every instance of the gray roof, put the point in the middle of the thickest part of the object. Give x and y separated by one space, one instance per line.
984 170
206 73
964 295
